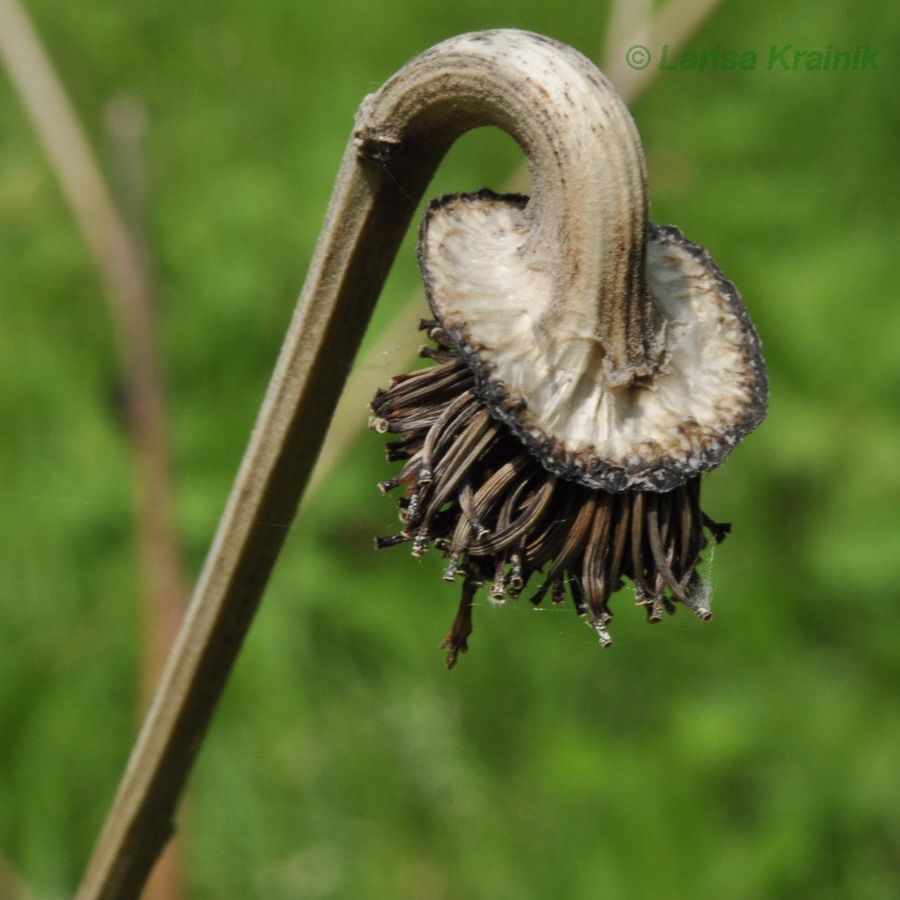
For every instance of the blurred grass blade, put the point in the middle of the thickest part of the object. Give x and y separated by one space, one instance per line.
125 275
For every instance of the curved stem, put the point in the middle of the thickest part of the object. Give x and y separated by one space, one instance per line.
589 202
402 133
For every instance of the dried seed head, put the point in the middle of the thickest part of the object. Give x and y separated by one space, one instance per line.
589 365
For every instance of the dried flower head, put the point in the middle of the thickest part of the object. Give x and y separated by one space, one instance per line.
588 365
473 490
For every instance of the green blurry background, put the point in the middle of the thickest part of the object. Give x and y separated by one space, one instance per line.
755 756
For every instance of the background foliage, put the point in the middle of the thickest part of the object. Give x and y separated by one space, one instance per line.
752 757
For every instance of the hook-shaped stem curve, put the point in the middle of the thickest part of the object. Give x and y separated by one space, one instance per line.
588 209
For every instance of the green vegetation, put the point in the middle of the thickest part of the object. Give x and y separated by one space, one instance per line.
754 756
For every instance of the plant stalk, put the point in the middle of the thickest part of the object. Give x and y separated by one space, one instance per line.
402 133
